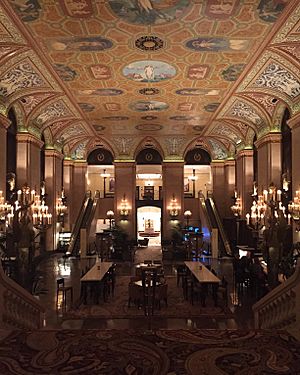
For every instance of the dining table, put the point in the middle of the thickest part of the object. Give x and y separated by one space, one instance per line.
93 279
202 274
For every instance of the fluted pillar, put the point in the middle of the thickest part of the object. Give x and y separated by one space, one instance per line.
53 181
244 179
28 160
219 185
125 182
269 160
68 171
173 185
229 173
294 124
4 124
78 188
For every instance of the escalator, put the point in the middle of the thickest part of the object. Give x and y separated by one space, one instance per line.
85 216
216 222
210 219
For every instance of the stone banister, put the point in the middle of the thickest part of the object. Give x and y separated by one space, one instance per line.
280 308
18 308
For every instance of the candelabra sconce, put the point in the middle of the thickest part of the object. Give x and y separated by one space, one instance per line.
294 211
61 207
110 215
124 208
6 211
104 175
173 208
236 208
187 214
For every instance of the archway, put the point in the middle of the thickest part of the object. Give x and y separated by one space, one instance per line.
149 224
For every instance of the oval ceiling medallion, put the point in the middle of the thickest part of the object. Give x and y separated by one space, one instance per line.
181 118
149 127
211 107
149 105
116 118
101 92
87 107
99 128
149 91
198 128
149 43
149 71
146 12
149 118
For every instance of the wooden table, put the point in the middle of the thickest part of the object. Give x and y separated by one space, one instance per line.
93 278
97 272
202 274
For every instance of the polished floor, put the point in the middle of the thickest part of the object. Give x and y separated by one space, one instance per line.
70 269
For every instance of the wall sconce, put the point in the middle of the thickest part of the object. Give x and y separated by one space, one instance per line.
110 214
187 214
236 208
61 207
173 208
124 208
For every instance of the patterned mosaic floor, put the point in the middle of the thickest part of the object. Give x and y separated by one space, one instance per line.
164 352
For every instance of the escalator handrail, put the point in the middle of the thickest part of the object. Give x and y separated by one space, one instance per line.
220 227
93 209
78 222
203 204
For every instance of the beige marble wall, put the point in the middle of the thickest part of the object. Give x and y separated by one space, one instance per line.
269 161
28 160
173 177
244 178
125 182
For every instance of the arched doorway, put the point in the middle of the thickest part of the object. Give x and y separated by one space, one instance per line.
149 224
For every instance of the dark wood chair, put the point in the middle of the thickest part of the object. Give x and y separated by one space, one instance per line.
62 289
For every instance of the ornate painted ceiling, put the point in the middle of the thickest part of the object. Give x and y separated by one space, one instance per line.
168 73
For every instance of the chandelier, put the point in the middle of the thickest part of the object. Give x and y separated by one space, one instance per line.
294 209
236 208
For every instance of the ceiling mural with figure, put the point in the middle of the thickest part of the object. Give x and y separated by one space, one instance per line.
125 68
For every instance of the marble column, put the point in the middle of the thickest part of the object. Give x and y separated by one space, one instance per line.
53 181
230 184
78 188
173 185
219 185
244 179
269 161
68 171
125 183
28 160
4 124
294 124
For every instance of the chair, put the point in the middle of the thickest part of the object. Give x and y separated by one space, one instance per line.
148 261
181 272
158 262
162 294
61 288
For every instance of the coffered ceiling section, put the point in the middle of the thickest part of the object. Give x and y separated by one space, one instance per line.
134 68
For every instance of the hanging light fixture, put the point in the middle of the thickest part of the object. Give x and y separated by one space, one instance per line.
105 174
173 208
124 208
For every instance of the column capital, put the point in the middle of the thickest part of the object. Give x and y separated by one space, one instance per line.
80 164
294 122
68 163
53 153
229 163
217 163
4 121
29 138
244 153
173 163
268 138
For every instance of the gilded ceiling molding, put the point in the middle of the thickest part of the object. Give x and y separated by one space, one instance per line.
288 32
4 121
277 116
258 105
227 131
9 32
289 51
239 126
31 102
215 164
29 138
268 138
149 142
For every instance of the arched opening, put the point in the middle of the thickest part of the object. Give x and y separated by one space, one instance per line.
149 195
149 224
